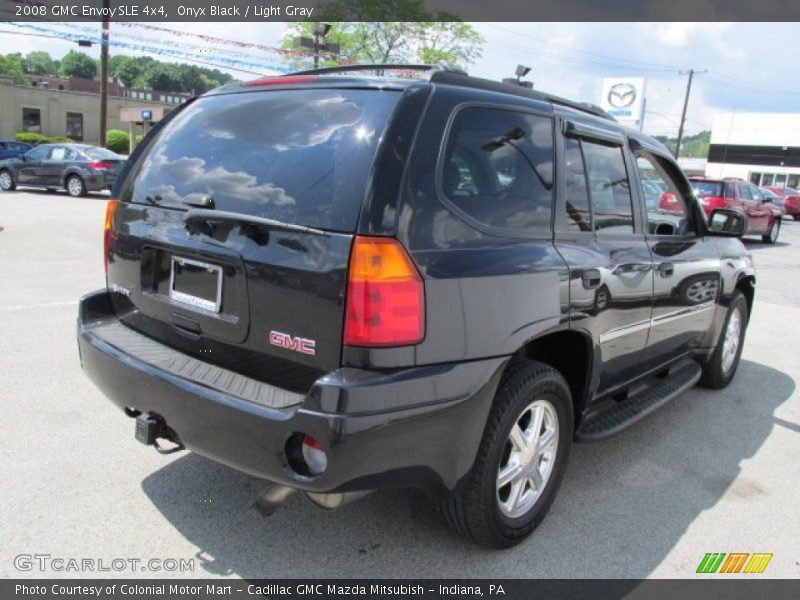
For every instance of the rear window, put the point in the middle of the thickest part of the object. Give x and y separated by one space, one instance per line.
298 156
100 153
707 188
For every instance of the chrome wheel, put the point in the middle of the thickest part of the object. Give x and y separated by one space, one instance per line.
6 182
528 459
701 291
730 344
75 186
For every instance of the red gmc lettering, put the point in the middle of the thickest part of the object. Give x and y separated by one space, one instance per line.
296 344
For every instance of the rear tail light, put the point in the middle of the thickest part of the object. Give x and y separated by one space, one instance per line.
108 231
385 295
100 165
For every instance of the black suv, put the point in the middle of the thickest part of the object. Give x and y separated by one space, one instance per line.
341 283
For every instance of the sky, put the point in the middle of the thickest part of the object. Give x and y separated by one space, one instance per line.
749 66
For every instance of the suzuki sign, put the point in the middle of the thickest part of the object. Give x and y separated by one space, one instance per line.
624 99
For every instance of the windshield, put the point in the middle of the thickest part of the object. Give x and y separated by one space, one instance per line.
298 156
707 188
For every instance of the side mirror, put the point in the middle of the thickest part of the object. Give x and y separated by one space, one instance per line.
23 158
727 223
767 199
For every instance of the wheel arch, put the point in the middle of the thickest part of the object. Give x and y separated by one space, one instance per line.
571 353
747 285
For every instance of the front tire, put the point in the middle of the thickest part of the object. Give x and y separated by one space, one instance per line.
719 371
75 186
7 183
772 235
521 459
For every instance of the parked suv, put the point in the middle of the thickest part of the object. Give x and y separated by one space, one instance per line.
344 283
763 217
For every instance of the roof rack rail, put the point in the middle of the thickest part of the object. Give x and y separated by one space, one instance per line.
461 78
380 67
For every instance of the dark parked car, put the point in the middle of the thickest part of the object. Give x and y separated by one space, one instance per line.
78 168
344 283
10 149
763 218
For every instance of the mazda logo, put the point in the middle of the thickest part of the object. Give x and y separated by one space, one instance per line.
621 95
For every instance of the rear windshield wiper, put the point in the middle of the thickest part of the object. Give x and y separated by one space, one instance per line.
201 200
209 216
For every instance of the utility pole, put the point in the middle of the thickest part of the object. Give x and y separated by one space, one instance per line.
104 74
691 74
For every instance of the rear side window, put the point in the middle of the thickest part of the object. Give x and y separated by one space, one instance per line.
298 156
707 188
498 169
609 188
99 153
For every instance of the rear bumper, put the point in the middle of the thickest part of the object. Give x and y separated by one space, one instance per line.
98 182
416 427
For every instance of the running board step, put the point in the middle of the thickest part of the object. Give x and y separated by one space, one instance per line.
617 417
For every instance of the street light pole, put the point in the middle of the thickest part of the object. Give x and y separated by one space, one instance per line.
691 74
104 75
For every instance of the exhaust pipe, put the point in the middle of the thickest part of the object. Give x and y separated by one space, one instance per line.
272 498
333 501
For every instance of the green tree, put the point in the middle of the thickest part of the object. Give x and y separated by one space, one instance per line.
125 68
394 31
78 64
165 77
11 66
39 63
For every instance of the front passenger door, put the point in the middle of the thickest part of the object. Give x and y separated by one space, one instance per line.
29 170
686 266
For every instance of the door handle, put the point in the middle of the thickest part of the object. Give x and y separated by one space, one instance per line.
666 269
591 279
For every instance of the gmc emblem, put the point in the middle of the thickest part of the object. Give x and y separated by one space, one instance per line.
297 344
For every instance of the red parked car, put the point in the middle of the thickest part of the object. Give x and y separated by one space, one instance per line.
791 200
763 217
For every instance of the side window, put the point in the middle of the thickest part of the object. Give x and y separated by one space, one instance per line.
498 168
58 153
609 188
667 210
39 153
579 215
756 194
744 192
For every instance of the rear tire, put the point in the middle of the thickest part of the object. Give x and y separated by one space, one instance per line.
7 183
521 459
719 371
75 186
772 235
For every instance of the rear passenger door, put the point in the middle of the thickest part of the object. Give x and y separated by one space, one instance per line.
599 235
686 266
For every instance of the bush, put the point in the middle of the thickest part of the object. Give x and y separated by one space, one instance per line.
33 138
117 141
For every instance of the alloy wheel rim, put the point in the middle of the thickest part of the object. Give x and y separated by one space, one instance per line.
75 186
773 233
528 459
730 344
699 291
5 180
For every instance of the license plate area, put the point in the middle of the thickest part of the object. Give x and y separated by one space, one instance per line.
195 283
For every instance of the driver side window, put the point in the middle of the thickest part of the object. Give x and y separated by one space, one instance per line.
667 211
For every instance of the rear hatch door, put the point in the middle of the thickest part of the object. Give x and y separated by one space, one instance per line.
233 234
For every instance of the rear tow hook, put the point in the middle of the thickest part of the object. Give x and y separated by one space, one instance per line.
150 428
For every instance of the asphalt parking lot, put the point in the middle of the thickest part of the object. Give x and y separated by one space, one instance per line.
710 472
